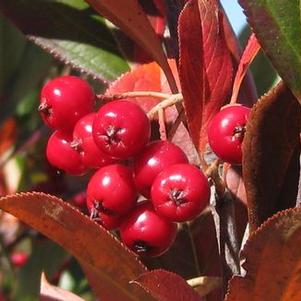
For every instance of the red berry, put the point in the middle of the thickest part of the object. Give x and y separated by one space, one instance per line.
19 259
60 154
147 233
64 100
155 157
226 133
180 192
83 141
111 191
121 129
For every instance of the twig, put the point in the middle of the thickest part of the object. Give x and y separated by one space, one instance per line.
132 94
162 128
168 102
224 219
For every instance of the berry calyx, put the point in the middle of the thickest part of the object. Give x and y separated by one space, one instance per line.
64 100
84 143
226 132
60 154
121 129
180 192
147 233
111 191
154 158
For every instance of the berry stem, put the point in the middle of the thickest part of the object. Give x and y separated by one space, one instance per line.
162 128
132 94
167 102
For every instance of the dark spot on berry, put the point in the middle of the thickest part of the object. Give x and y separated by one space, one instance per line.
177 196
112 135
141 246
76 144
98 207
239 132
45 109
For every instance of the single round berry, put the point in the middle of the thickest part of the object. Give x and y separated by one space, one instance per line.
154 158
83 142
19 258
111 191
180 192
226 132
64 100
60 154
121 129
147 233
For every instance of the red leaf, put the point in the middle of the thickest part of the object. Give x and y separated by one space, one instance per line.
272 260
50 292
247 57
148 77
111 264
166 286
205 66
130 17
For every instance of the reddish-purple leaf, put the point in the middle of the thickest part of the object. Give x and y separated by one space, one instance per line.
205 66
246 59
113 266
130 17
166 286
272 260
50 292
271 152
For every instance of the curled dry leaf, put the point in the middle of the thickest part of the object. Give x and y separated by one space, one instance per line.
272 261
204 285
166 286
50 292
113 266
205 66
271 151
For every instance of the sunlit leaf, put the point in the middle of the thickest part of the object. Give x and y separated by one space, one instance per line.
205 66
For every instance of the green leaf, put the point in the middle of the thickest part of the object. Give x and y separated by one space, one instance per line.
71 32
12 46
278 28
34 67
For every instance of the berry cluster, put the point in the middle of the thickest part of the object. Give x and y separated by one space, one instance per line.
115 141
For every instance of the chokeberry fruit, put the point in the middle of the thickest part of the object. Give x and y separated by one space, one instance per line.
83 142
60 154
147 233
180 192
154 158
111 191
19 258
121 129
64 100
226 132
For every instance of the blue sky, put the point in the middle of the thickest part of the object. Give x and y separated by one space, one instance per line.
235 14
